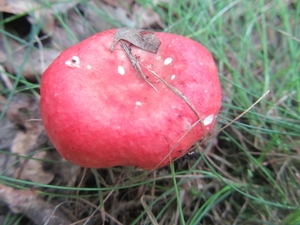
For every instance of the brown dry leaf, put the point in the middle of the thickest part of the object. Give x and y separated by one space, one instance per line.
30 204
8 132
39 59
116 3
120 11
61 38
145 40
5 79
127 13
28 140
39 11
36 63
21 109
18 6
146 17
30 169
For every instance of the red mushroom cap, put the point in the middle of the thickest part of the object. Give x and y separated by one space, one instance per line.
99 112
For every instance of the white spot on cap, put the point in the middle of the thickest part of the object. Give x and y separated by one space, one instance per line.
173 77
121 70
89 67
158 57
73 62
68 63
208 120
138 103
168 61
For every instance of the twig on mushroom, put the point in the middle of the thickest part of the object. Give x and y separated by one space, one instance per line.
148 41
176 91
184 98
135 63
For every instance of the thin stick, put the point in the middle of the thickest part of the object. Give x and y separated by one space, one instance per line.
176 91
195 124
136 64
147 208
239 116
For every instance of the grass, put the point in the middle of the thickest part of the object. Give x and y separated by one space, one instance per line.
249 173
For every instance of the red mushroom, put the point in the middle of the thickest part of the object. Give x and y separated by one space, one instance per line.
99 112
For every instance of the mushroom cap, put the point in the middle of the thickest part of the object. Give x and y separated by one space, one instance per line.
98 111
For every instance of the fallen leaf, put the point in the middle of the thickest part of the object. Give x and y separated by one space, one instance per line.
145 40
30 204
38 11
128 13
22 140
146 17
28 140
26 144
35 63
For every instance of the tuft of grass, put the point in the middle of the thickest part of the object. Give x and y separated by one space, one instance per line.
250 172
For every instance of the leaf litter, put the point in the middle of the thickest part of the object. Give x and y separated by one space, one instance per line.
22 142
